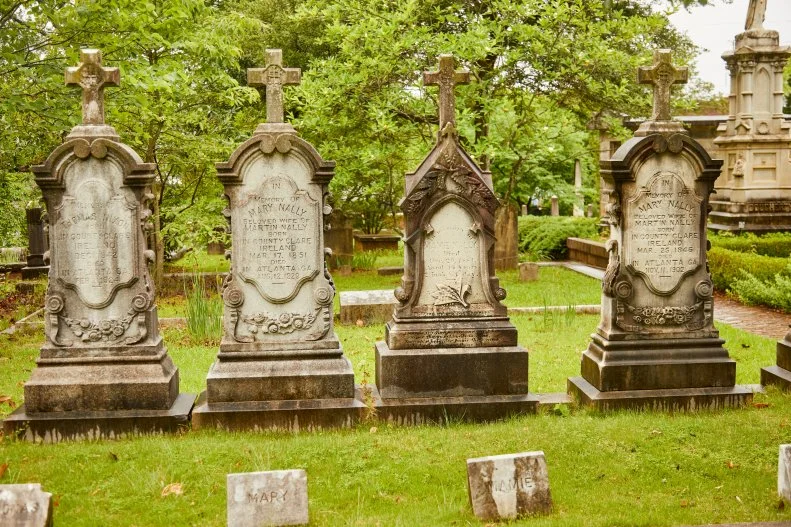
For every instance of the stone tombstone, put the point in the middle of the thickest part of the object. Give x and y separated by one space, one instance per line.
37 245
506 231
528 272
339 238
579 199
277 497
656 345
450 348
779 374
554 207
25 505
784 473
524 210
103 369
754 192
280 364
509 486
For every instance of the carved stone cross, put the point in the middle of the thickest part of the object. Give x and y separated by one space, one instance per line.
92 77
446 78
662 75
274 76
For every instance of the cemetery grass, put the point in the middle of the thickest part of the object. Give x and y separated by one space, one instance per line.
619 469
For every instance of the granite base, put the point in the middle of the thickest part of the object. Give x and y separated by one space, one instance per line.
437 410
286 415
680 399
776 376
53 427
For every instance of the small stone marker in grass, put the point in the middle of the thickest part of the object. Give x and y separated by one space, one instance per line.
25 506
784 473
528 272
509 486
277 497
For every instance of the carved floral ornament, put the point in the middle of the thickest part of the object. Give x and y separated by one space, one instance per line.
109 330
450 173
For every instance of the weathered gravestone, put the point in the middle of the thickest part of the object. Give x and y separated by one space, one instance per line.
450 349
280 364
506 232
554 206
37 245
784 473
103 370
509 485
656 344
780 373
25 505
277 497
579 199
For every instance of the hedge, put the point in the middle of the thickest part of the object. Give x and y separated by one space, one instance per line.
776 244
544 237
726 266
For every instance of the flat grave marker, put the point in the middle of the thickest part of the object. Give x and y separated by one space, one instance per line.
277 497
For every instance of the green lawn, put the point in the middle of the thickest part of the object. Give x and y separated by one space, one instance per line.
619 469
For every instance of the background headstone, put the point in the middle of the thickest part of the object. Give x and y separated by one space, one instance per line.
279 343
509 486
524 210
506 231
656 345
339 238
450 349
278 497
555 206
25 505
528 272
103 369
579 199
780 373
784 473
38 244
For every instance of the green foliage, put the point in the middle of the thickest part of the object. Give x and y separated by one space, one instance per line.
545 236
728 266
364 260
16 192
776 244
204 313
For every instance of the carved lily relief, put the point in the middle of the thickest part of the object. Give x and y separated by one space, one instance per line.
448 293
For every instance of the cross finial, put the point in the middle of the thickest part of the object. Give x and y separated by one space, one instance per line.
274 76
92 77
446 78
662 75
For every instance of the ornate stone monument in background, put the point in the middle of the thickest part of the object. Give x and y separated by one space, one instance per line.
450 349
656 345
103 370
754 191
280 364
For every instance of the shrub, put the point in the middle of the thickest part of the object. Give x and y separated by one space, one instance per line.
544 237
774 293
727 266
776 244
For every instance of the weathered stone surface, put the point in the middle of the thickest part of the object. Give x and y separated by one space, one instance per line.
656 338
589 252
339 238
450 336
25 505
554 206
371 307
506 231
277 497
508 486
278 340
784 473
754 192
390 271
103 351
528 272
780 374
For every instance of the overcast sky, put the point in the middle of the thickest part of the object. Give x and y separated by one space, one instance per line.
713 27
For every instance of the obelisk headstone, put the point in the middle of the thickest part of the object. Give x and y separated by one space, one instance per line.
103 369
754 192
656 345
38 244
280 365
579 200
450 349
